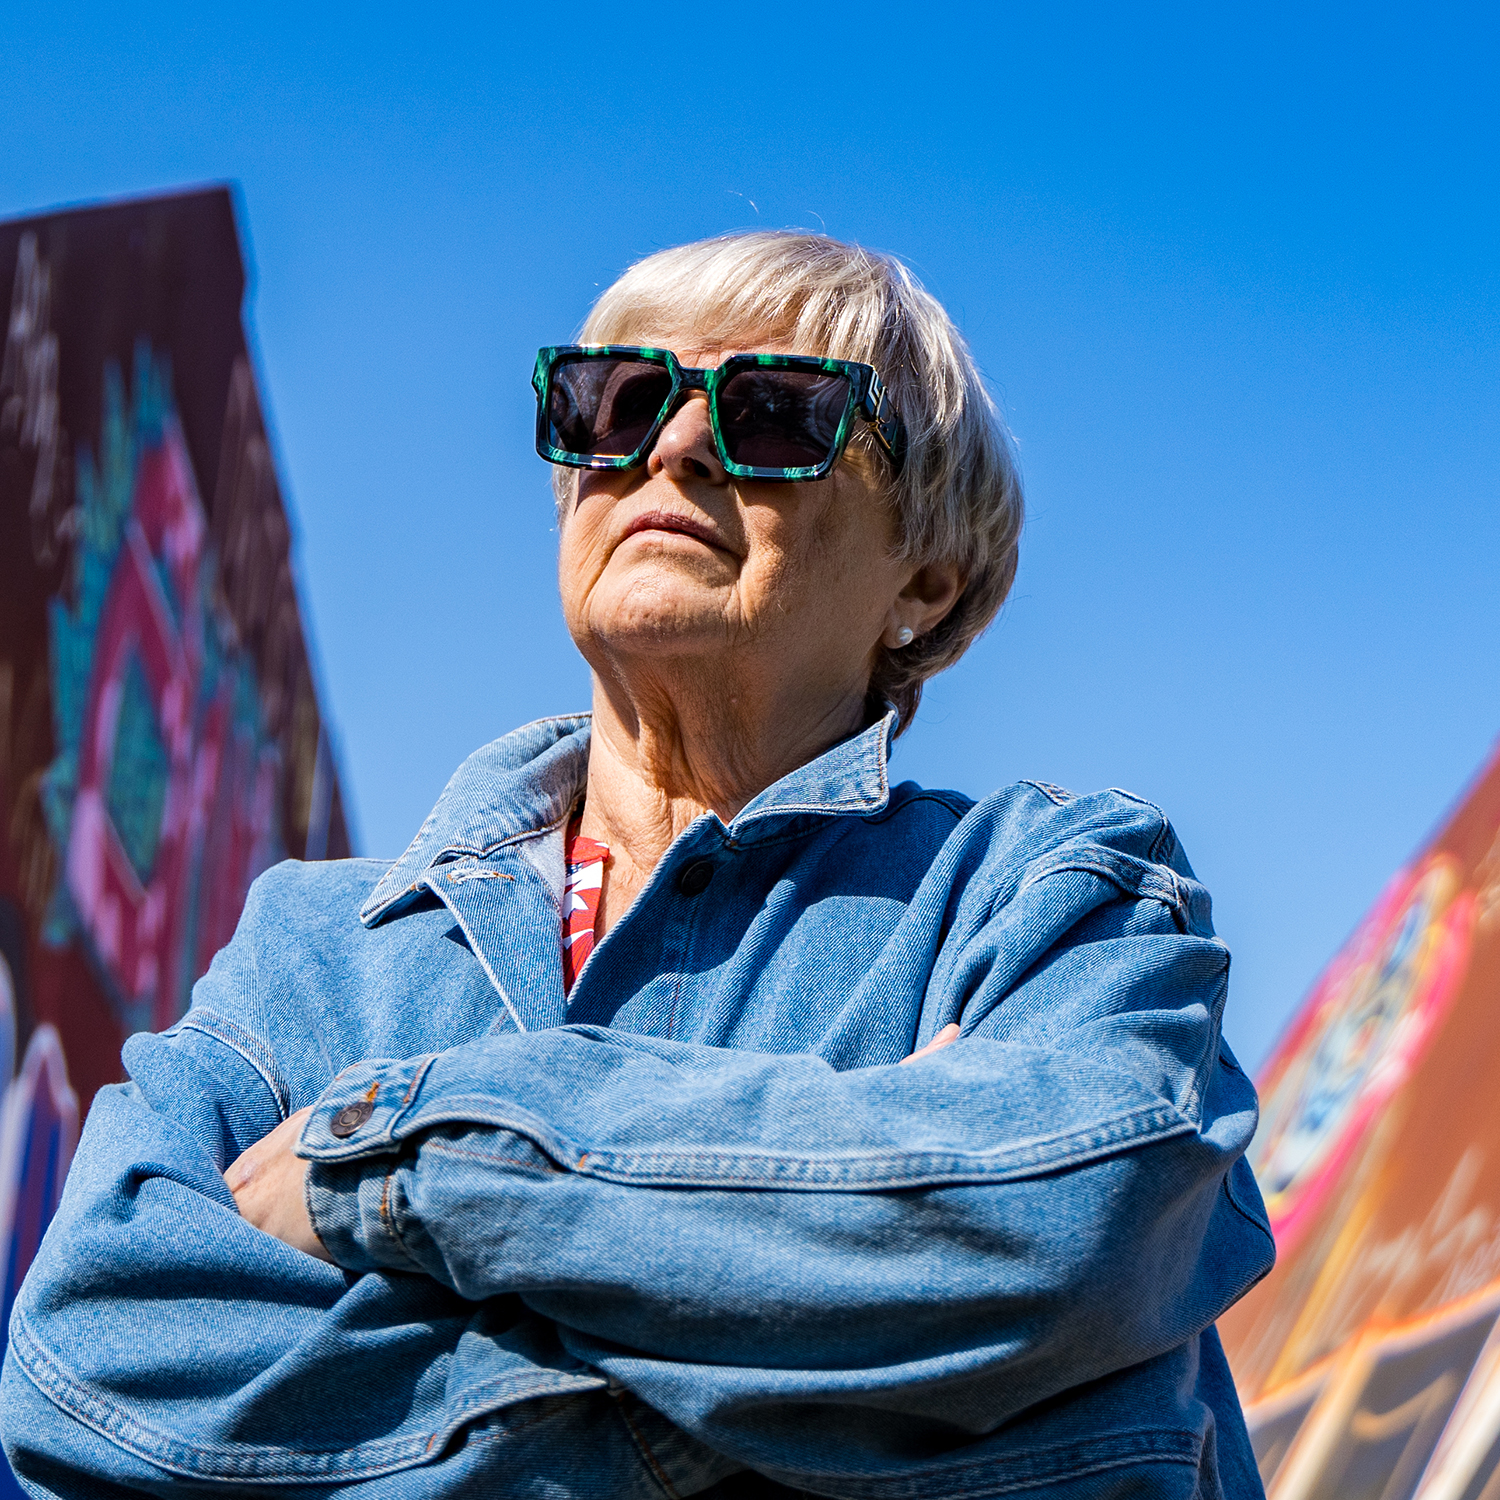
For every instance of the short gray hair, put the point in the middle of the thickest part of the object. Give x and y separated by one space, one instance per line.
958 496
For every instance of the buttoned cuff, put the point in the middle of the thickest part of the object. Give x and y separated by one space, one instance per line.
350 1139
360 1113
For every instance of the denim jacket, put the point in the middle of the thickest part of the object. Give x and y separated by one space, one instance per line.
688 1222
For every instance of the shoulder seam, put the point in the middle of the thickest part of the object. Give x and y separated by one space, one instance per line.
227 1033
954 802
1059 796
1163 832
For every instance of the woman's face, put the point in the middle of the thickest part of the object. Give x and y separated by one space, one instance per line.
676 559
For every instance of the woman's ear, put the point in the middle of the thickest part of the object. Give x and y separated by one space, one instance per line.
930 593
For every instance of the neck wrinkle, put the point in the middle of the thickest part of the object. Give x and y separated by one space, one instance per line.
657 763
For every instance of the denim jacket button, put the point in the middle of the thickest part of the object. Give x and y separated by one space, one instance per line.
695 878
350 1118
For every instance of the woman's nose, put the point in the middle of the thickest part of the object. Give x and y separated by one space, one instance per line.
685 447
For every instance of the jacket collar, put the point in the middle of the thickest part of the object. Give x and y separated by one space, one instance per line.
849 778
528 782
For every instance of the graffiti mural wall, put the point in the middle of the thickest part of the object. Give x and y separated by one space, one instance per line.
161 740
1369 1359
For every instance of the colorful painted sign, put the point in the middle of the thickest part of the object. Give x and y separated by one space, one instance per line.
161 741
161 796
1357 1039
1369 1360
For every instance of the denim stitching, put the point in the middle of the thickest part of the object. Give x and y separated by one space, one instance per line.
484 851
413 1084
957 805
372 1141
1246 1214
376 904
880 1174
499 1434
460 876
431 882
879 756
1057 795
246 1044
851 1172
620 1398
1132 876
388 1219
541 1170
205 1461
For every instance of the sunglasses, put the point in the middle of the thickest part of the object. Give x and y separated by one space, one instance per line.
774 416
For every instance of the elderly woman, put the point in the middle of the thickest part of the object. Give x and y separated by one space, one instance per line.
569 1155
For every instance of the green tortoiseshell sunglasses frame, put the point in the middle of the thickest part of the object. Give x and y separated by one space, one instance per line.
868 399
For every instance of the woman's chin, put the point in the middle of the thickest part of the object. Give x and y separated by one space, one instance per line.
660 614
662 638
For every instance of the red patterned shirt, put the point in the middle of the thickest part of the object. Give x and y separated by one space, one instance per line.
581 891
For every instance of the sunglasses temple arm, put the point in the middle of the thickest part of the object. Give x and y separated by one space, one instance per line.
879 410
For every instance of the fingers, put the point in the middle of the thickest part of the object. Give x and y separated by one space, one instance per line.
268 1186
246 1167
948 1034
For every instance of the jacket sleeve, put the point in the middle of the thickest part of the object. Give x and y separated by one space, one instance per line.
161 1344
148 1283
1057 1195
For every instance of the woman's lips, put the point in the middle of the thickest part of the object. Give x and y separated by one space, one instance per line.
670 521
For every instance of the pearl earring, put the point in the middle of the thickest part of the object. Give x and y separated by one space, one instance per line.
905 636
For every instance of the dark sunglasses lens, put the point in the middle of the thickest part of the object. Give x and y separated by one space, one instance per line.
604 407
781 419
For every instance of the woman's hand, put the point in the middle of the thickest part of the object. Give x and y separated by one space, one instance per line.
948 1034
268 1183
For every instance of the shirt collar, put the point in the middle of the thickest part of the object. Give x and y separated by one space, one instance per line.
529 781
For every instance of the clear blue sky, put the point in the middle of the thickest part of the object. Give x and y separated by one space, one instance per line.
1231 270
